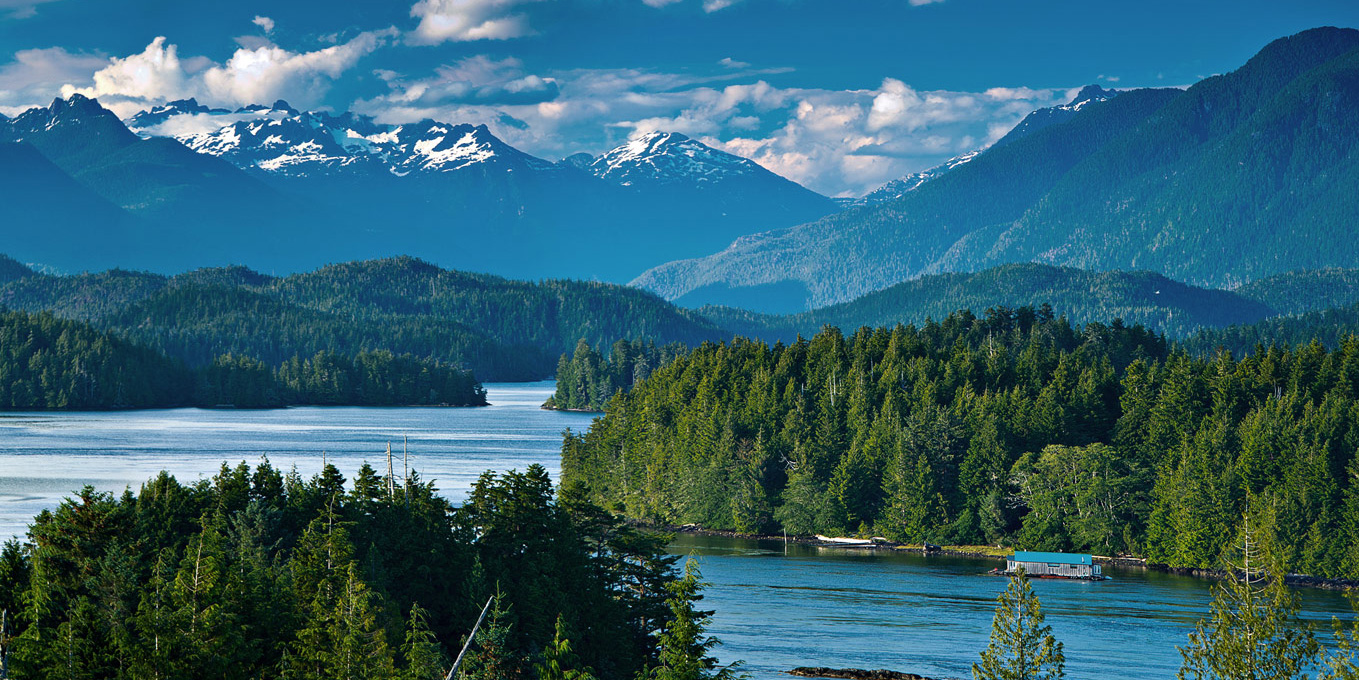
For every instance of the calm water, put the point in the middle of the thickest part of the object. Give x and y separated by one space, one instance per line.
932 616
46 456
828 608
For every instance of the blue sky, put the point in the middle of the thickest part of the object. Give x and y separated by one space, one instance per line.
840 95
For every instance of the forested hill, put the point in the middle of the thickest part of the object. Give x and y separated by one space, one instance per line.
1014 428
48 363
498 328
1329 327
1137 297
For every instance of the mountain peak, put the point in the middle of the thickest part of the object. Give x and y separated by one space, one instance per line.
1091 93
670 157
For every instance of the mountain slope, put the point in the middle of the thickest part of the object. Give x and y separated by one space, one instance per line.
846 255
1239 177
1082 296
399 304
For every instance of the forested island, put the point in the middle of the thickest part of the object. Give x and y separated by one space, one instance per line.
48 363
1015 427
259 574
587 378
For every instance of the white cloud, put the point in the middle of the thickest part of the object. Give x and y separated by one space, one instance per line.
732 63
254 74
265 23
268 72
467 20
838 142
36 76
717 5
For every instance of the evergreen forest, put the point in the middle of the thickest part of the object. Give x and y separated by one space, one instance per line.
48 363
587 378
1015 428
259 574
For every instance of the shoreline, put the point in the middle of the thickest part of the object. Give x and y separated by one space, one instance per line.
1294 580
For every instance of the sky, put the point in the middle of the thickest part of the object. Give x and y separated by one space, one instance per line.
839 95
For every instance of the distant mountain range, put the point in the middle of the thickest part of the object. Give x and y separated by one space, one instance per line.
1239 177
286 190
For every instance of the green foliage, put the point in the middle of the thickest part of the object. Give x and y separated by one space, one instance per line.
1330 327
558 661
1253 632
402 305
1022 646
587 379
684 649
1012 429
51 364
256 575
48 363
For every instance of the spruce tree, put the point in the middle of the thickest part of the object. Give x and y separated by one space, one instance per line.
559 662
683 646
1022 645
1253 632
425 659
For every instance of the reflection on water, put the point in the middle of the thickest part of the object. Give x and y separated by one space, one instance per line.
47 456
932 615
829 607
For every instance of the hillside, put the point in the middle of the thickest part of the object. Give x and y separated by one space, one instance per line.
1239 177
1330 327
403 305
1144 298
1305 291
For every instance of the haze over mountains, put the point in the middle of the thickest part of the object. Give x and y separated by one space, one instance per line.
1238 177
285 190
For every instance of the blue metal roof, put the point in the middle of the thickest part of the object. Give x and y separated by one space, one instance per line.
1051 558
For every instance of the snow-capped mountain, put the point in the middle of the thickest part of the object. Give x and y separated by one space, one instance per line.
280 140
901 186
670 157
1035 121
1053 115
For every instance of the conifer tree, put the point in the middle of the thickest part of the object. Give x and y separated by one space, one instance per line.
1253 632
559 662
1022 646
425 659
684 647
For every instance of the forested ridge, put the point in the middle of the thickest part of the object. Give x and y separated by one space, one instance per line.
498 328
1015 428
259 574
48 363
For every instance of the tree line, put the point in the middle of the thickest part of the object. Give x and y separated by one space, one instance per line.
259 574
47 363
1013 428
587 379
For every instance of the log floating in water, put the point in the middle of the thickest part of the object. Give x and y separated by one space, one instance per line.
853 673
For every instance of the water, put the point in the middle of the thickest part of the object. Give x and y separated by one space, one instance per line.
45 457
843 608
811 607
